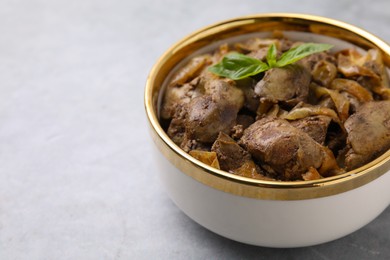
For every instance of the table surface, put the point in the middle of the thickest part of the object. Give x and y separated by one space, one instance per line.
77 180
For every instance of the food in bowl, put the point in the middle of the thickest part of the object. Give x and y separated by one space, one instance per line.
265 212
278 109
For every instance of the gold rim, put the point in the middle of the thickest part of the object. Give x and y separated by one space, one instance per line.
224 181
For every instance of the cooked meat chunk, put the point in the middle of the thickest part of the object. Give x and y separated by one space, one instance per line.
176 129
214 112
233 158
230 155
225 91
315 126
206 118
368 133
289 84
251 100
177 95
287 150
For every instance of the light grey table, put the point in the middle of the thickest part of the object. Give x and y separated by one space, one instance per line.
77 180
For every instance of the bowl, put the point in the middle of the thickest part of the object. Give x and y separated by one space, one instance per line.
262 212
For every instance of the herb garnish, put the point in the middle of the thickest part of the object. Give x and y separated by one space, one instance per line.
238 66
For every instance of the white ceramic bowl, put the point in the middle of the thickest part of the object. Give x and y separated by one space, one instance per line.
267 213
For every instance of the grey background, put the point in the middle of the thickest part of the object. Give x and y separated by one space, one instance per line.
77 180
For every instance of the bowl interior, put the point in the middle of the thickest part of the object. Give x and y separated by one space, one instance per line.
294 27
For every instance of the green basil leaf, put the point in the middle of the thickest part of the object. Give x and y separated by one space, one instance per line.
238 66
271 55
301 51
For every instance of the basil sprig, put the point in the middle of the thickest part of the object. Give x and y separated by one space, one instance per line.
238 66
